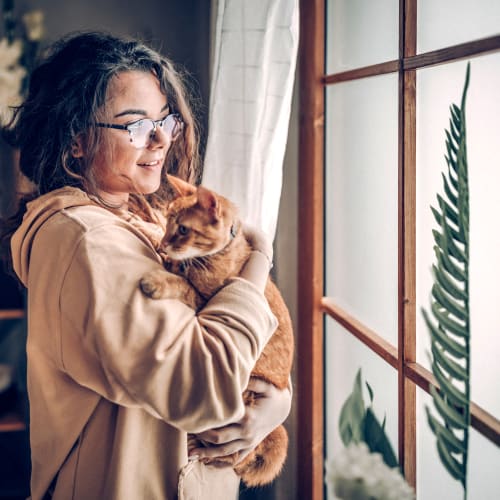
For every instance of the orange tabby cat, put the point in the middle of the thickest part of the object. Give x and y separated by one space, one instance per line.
205 247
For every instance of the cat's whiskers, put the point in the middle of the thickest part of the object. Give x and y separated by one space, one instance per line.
201 263
186 263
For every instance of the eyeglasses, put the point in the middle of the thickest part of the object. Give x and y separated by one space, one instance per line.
142 131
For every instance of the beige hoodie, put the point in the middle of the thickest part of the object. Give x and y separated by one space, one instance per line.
116 379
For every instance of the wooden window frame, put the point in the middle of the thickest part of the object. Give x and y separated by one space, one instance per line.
11 420
313 305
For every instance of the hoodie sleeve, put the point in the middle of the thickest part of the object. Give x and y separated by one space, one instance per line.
188 369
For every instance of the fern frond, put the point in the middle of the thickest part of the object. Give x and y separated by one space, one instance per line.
447 264
447 189
452 367
449 319
453 444
449 285
454 467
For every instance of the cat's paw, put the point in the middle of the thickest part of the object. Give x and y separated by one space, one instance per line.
153 284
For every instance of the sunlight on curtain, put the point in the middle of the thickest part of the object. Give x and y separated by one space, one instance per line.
252 79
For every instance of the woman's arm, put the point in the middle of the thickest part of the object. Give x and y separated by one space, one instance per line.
185 368
271 408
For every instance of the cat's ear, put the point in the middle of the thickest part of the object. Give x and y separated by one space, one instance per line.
182 188
209 202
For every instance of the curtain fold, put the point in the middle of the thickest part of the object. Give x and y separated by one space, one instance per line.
254 59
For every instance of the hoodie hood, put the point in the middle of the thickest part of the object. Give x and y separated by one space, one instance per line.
37 213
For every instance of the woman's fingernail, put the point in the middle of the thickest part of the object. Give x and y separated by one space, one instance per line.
193 458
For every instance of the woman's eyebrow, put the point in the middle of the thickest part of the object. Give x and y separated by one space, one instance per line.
138 111
131 112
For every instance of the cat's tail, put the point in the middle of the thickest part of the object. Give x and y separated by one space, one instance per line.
265 463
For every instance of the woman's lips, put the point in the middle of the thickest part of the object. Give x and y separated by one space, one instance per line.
150 164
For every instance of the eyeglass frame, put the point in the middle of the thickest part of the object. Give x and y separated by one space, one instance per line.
176 116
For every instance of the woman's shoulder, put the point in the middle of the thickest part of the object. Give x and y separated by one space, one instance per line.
96 223
76 222
89 217
62 225
89 235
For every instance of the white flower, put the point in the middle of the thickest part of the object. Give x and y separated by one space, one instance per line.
34 25
11 77
10 53
357 474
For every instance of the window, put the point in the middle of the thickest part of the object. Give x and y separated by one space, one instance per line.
377 81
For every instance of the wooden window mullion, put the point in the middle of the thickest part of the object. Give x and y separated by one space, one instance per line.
310 365
406 250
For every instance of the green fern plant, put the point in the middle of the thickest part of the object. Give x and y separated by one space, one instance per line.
450 327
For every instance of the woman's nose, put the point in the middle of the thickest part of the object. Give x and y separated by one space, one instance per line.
159 139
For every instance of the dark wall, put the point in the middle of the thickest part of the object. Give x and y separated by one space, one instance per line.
180 29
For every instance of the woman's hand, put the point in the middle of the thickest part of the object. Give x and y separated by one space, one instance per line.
256 270
269 410
258 240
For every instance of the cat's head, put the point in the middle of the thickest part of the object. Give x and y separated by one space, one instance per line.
199 222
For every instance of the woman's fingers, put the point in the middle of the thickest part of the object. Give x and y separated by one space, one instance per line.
258 240
216 451
258 385
221 435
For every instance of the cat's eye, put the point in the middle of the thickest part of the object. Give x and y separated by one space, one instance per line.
182 230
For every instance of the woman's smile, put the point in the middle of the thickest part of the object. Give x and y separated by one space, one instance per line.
150 165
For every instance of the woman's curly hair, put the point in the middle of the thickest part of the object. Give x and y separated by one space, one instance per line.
66 91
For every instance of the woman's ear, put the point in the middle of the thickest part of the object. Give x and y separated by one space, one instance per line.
76 148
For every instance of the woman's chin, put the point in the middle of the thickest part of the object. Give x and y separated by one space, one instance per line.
149 187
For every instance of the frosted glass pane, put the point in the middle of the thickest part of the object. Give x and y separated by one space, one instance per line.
344 355
450 22
361 33
437 88
434 481
362 201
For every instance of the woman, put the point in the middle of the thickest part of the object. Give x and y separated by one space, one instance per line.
117 380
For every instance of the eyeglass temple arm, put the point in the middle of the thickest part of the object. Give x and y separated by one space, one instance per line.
111 125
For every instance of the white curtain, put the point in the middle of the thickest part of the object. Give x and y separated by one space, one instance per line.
254 58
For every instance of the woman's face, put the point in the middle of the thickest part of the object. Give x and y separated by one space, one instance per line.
120 167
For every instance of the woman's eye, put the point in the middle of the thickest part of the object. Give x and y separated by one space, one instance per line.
182 230
135 125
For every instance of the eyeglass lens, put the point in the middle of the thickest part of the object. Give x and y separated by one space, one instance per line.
142 131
